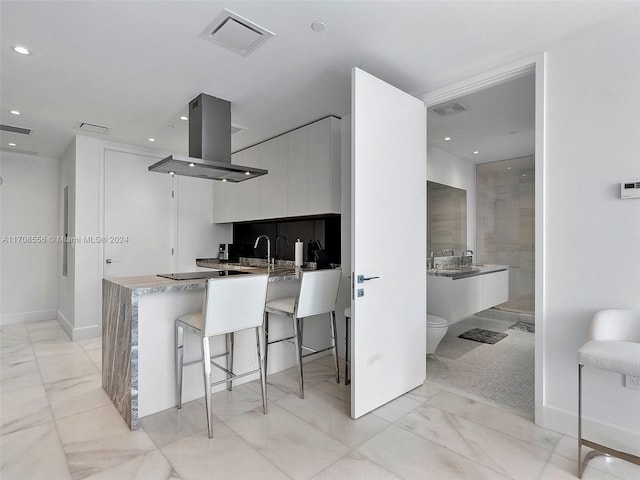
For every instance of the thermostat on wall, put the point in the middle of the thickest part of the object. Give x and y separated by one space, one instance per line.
630 190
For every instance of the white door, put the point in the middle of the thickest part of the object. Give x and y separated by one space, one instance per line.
139 216
388 212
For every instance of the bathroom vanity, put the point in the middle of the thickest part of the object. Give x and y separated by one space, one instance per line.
458 293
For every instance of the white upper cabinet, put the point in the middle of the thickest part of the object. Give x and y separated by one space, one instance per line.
273 186
303 178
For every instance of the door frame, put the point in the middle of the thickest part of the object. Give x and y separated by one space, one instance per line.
535 64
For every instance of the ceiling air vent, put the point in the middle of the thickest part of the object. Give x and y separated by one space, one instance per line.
92 127
12 129
236 33
446 109
18 150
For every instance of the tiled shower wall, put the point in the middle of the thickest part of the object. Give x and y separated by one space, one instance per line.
505 222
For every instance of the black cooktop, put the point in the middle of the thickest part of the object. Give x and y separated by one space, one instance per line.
198 275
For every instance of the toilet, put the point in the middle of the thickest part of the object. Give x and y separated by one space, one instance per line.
436 329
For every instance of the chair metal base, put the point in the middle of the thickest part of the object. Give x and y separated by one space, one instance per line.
598 450
207 361
299 346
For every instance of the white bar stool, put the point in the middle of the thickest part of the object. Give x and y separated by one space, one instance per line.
318 294
231 304
614 345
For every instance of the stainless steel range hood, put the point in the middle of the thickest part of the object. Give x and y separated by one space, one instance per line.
209 145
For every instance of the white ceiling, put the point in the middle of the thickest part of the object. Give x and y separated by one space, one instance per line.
133 66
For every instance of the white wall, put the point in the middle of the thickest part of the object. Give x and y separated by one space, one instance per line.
83 166
591 237
28 207
66 284
447 169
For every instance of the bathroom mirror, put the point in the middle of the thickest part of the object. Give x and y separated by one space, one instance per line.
446 218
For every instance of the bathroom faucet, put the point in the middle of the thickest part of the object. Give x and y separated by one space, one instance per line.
462 254
268 247
432 260
286 242
444 252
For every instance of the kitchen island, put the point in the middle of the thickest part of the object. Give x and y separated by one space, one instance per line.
138 318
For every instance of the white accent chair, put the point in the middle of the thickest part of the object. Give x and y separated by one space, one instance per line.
318 294
614 345
231 304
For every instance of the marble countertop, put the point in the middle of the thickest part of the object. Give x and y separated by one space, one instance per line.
146 284
466 271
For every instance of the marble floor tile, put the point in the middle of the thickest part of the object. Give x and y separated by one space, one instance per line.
242 399
331 416
568 448
495 418
172 424
33 453
24 408
91 343
18 382
314 372
225 456
412 457
98 440
338 390
561 468
506 455
296 447
95 355
13 335
76 395
47 332
44 350
397 408
424 391
68 366
355 467
279 385
150 466
17 360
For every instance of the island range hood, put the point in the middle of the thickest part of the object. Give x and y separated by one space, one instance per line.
209 145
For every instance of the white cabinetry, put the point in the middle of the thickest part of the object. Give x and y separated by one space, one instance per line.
304 177
454 299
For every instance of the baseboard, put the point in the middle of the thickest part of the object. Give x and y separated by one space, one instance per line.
78 333
82 333
612 436
64 322
27 317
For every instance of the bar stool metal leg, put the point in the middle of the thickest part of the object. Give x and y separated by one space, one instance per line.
263 373
206 369
333 344
266 341
347 347
580 421
297 339
179 343
230 340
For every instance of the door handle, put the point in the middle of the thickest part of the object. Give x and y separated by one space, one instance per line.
112 260
362 278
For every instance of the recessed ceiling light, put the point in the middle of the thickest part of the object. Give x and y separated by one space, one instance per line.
446 139
318 26
247 173
509 168
192 164
475 152
11 144
224 179
184 117
524 174
14 112
152 139
21 50
172 173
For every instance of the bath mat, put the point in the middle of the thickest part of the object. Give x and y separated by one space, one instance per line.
524 327
482 335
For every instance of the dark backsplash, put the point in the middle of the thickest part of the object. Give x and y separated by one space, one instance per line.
325 229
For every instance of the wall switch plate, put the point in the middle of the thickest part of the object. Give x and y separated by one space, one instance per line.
632 382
